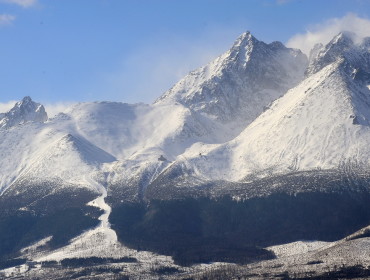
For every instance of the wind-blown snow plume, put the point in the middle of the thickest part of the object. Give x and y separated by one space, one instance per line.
324 32
55 108
165 62
5 107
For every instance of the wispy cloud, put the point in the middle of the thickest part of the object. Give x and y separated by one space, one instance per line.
22 3
5 107
6 19
324 32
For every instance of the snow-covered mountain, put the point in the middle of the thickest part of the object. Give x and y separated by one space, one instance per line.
322 123
257 112
220 122
91 133
211 105
239 84
22 112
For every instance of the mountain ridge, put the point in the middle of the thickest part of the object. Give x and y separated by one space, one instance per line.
211 171
181 128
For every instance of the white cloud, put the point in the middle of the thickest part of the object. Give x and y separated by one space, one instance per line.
6 19
324 32
22 3
55 108
5 107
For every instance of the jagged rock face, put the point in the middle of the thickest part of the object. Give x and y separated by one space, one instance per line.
239 84
355 56
22 112
322 56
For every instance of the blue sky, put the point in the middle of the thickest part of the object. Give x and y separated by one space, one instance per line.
61 51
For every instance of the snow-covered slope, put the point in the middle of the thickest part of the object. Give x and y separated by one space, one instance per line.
139 135
70 159
93 132
236 86
124 129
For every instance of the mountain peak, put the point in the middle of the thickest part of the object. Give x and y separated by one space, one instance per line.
26 99
87 151
23 111
341 42
344 36
236 86
244 37
341 46
68 138
243 46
